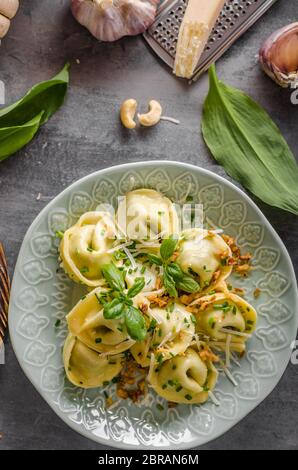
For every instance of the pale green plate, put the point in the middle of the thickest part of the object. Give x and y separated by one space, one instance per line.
41 295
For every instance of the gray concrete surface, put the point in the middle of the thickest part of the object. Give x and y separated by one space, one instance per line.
84 136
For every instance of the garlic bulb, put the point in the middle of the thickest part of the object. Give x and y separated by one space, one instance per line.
279 56
109 20
8 9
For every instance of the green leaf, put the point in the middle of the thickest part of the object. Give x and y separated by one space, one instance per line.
135 324
169 284
243 138
14 138
114 309
167 248
188 284
44 97
175 271
154 259
113 276
20 121
139 285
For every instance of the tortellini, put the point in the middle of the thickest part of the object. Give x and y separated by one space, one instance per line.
145 213
228 311
204 254
87 323
181 328
170 333
86 368
184 378
84 247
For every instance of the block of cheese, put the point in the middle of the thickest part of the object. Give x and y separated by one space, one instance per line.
199 19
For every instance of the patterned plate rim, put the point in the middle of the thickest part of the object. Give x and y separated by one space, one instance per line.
135 166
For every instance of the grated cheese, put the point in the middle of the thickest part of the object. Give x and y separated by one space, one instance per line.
236 333
130 257
228 344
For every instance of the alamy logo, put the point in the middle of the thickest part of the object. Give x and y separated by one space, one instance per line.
2 92
294 94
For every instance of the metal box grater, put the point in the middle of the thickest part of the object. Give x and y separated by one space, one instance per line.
236 17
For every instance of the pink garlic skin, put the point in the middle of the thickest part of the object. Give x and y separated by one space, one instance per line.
114 19
270 55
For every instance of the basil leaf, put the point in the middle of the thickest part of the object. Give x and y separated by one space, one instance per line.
14 138
113 276
20 121
175 271
243 138
114 309
137 287
135 324
188 284
169 284
154 259
167 248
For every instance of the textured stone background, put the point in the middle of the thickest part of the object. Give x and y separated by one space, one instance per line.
84 136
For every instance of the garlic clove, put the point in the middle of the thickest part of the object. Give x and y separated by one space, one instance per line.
4 26
109 20
279 56
9 8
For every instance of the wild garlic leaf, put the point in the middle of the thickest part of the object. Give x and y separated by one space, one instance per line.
20 121
243 138
14 138
46 96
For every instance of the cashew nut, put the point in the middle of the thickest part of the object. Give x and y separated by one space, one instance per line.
4 26
127 113
9 8
153 116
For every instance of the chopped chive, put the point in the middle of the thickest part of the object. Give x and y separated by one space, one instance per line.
59 234
85 269
179 388
89 249
159 358
105 383
98 340
188 397
193 319
57 323
159 407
